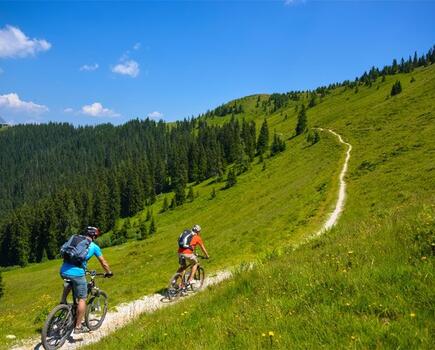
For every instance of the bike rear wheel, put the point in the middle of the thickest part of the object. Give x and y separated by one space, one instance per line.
57 328
175 286
96 310
198 279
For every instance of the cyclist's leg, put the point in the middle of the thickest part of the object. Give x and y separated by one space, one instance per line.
66 290
81 293
194 268
195 263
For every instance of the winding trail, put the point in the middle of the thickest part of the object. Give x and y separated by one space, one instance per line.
126 312
339 206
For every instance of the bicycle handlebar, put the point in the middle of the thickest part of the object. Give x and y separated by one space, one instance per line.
202 256
94 273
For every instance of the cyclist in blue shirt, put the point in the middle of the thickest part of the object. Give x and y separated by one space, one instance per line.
77 276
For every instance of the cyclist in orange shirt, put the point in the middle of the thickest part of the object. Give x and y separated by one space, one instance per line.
187 243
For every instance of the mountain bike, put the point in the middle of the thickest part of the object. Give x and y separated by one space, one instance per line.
62 319
178 285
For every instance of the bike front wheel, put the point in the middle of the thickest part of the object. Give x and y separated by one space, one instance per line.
57 328
96 310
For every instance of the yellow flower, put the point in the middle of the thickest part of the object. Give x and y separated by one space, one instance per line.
423 258
271 334
412 314
353 337
347 304
263 334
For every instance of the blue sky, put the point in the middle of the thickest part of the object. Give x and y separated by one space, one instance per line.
95 62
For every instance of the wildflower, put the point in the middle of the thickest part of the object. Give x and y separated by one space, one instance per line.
412 314
347 304
271 334
350 252
423 258
353 337
263 334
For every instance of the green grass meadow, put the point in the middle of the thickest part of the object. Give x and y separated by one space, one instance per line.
265 208
367 283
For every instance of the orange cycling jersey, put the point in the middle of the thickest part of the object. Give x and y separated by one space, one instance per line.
193 243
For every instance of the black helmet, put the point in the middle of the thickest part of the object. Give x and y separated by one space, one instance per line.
92 231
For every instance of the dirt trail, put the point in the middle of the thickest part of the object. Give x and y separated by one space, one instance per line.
126 312
333 218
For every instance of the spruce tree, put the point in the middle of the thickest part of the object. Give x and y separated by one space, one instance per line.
396 88
263 138
302 123
173 203
153 227
149 215
190 194
231 178
213 193
278 145
142 230
165 205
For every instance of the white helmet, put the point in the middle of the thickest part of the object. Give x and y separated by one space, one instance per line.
196 228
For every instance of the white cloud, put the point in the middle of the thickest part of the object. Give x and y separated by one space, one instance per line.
96 109
130 68
14 43
11 102
136 46
89 67
68 110
155 115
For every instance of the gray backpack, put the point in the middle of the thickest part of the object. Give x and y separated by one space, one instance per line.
185 239
75 250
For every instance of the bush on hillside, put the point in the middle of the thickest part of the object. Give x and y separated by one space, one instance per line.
396 88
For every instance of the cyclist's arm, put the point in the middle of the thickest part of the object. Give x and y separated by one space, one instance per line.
203 249
104 264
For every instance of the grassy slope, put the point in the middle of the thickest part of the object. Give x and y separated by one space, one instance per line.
369 282
276 203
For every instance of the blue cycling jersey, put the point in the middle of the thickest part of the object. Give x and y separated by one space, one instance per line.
75 271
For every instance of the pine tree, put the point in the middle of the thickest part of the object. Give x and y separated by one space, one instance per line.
142 230
153 228
44 256
302 123
114 205
231 178
313 137
213 193
396 88
149 215
312 101
165 205
173 203
278 145
263 138
190 194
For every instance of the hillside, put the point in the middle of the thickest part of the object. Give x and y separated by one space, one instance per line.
367 283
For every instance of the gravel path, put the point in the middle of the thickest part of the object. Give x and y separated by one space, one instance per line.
333 218
126 312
